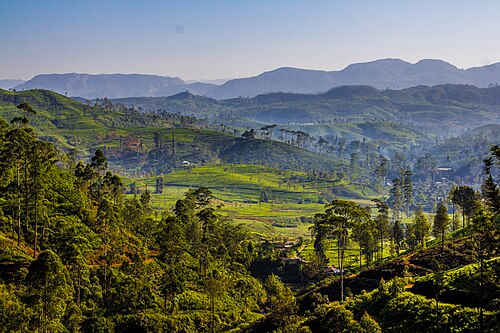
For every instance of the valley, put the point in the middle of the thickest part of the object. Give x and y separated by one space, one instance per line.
278 212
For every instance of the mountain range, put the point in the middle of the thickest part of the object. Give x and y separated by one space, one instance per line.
381 74
7 84
113 85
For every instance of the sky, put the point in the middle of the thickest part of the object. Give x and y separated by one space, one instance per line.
214 39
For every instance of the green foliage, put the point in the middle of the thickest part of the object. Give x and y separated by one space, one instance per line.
280 300
421 227
467 285
397 235
14 315
335 317
339 219
441 222
464 196
48 291
491 188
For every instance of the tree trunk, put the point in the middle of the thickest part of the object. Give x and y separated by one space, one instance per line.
212 310
338 252
26 195
381 247
36 225
172 303
453 216
342 275
18 207
463 217
360 257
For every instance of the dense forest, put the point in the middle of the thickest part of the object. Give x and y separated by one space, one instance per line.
80 252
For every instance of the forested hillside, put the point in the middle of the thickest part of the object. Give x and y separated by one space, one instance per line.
421 107
151 142
77 255
82 252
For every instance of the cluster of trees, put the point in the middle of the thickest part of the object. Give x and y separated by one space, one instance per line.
133 116
345 220
88 259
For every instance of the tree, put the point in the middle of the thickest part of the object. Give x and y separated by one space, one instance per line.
364 234
145 200
485 240
48 291
454 223
397 196
14 316
44 157
173 283
368 324
280 300
267 131
114 185
214 286
491 187
249 135
99 162
422 227
407 190
17 151
441 222
398 235
381 170
335 317
464 197
159 185
382 224
28 110
340 217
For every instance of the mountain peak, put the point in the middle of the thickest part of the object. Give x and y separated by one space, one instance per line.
435 64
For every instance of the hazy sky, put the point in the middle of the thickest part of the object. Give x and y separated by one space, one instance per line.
209 39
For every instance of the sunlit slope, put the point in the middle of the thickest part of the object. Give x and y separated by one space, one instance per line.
133 140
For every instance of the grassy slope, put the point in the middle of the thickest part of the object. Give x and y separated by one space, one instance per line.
73 125
458 266
460 285
294 196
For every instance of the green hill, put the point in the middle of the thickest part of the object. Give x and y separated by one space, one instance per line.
429 108
153 143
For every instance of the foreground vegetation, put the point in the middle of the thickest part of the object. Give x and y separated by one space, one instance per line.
199 249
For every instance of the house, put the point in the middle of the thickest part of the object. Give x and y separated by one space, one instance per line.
331 270
293 261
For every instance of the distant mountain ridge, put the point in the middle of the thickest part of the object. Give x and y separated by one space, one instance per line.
112 85
10 83
381 74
